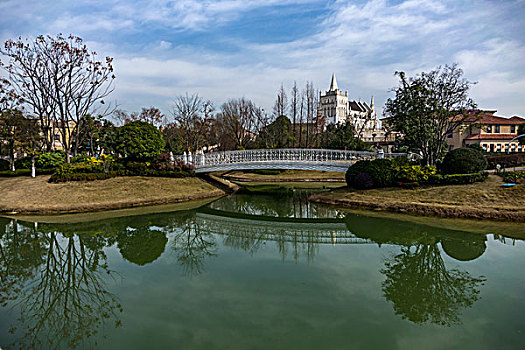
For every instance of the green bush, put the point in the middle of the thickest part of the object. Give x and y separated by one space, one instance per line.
18 172
381 171
506 160
4 165
48 160
55 178
457 179
463 161
139 140
513 176
413 173
363 181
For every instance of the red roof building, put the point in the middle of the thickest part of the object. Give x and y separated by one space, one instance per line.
491 132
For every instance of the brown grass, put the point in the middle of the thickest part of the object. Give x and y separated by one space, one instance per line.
27 195
487 200
287 176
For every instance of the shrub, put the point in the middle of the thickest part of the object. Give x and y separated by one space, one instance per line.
50 160
18 172
513 176
414 173
363 181
4 165
55 178
381 171
457 179
80 158
47 160
463 161
139 141
506 160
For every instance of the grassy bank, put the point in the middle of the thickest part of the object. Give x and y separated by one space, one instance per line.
287 176
37 196
486 200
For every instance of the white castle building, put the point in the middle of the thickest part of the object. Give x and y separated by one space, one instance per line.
335 107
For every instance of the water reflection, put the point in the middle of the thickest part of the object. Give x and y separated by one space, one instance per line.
56 281
56 274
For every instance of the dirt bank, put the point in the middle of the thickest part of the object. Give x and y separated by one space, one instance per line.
487 200
37 196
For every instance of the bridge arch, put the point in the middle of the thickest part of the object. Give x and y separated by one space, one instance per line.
285 158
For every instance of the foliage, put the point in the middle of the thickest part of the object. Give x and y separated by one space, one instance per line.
276 135
457 179
17 172
4 165
47 160
61 80
521 131
174 138
428 107
363 181
463 161
513 176
139 140
381 171
343 136
505 160
414 173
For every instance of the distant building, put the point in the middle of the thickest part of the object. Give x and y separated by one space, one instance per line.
336 108
491 132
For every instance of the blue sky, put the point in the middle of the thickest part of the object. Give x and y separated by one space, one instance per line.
231 48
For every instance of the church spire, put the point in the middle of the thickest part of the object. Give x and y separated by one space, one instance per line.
333 84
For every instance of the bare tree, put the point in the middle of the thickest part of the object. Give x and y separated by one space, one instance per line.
240 120
193 116
61 80
294 109
281 103
150 115
311 112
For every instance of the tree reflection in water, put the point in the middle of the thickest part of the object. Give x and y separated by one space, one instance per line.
418 282
61 295
193 246
423 290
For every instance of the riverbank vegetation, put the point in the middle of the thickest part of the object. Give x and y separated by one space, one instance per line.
482 200
27 195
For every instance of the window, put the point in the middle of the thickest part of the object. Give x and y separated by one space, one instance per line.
449 135
492 147
496 127
484 147
489 128
512 129
57 137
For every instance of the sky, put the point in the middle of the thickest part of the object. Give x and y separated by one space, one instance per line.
223 49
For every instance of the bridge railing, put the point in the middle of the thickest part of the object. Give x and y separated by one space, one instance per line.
282 155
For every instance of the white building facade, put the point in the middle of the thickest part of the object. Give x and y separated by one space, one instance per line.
336 108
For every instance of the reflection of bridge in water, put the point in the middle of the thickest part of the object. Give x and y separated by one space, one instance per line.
279 229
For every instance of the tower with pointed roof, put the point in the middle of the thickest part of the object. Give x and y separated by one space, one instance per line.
336 108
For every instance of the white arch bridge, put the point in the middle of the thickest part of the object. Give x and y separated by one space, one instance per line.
285 158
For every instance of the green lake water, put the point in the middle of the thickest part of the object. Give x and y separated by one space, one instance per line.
260 271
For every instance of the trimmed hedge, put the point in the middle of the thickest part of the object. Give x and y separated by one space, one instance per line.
505 160
17 172
463 161
381 171
513 176
264 171
458 179
25 172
